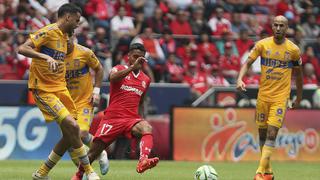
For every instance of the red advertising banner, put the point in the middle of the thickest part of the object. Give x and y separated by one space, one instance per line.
214 134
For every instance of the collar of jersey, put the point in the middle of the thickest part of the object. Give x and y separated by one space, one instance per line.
136 75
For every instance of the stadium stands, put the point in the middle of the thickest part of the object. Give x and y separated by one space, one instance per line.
177 26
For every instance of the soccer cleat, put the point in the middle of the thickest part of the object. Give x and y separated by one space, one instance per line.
77 176
104 163
93 176
37 176
258 176
268 176
145 164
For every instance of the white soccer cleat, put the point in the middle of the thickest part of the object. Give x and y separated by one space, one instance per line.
93 176
104 163
37 176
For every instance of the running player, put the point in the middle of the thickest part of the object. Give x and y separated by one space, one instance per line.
79 61
48 47
128 85
279 56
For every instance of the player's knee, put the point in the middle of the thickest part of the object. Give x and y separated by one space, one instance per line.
147 128
73 127
272 135
85 137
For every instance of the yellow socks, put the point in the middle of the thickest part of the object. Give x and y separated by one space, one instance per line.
74 157
264 164
268 169
52 160
83 158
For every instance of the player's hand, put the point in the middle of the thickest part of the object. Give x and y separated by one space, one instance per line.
139 61
53 64
241 86
296 103
95 99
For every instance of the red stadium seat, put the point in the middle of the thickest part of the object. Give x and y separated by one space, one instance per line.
10 76
5 68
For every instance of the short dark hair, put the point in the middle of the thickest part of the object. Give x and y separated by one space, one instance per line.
138 46
68 8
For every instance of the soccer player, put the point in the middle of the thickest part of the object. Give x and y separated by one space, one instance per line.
128 85
279 57
79 61
48 47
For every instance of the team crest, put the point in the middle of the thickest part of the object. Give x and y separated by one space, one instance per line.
58 44
268 53
143 84
287 56
76 63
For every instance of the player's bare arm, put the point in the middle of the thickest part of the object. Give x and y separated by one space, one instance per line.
97 84
141 106
297 71
27 49
116 76
244 69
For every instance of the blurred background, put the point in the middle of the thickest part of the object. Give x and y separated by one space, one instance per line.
195 49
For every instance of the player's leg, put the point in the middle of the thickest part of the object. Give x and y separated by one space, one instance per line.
53 158
83 120
95 150
261 117
144 130
275 120
71 129
105 134
49 106
268 149
84 116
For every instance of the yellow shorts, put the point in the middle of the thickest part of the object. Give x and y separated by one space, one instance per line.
55 106
85 114
270 113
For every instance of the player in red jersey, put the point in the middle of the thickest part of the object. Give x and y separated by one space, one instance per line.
128 85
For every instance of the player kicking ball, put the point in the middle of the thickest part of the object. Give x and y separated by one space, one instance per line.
279 58
86 95
128 86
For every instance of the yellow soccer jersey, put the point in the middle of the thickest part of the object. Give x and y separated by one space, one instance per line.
79 80
277 62
51 41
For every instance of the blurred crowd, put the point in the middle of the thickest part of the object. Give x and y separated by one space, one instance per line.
199 42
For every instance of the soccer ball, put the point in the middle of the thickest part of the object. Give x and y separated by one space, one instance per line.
206 172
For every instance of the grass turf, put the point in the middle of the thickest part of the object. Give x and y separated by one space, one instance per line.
166 170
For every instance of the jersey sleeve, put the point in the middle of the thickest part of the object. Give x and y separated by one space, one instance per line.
39 38
296 58
92 61
118 68
256 51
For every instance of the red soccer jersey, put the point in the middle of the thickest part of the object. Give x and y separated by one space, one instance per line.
125 95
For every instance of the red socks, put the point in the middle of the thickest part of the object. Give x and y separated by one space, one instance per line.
146 144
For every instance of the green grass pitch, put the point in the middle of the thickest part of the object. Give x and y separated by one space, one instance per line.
166 170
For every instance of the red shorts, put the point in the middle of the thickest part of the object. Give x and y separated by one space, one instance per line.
110 129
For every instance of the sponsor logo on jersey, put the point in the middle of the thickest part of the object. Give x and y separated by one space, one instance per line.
131 89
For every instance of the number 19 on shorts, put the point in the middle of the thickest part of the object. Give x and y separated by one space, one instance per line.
261 117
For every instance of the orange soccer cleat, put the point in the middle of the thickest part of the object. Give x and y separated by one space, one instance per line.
258 176
268 176
146 163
